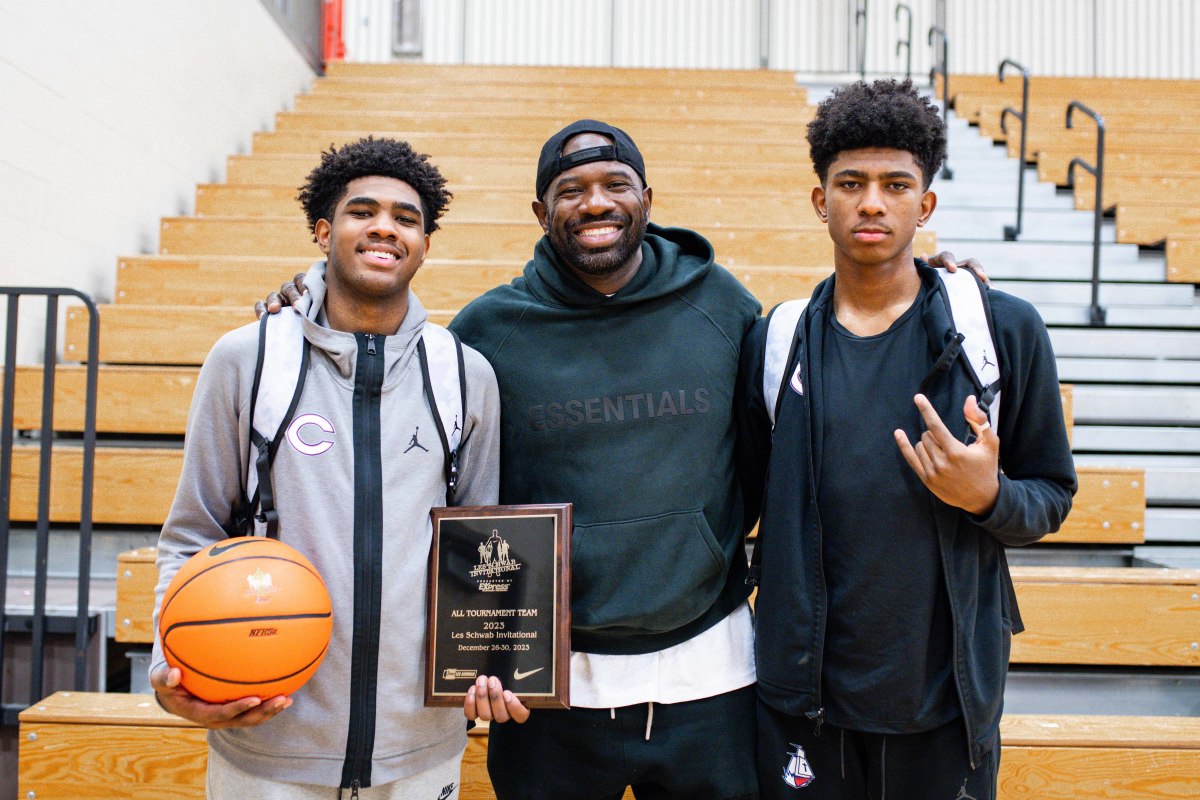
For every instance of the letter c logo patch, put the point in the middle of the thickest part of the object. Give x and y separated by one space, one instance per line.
317 447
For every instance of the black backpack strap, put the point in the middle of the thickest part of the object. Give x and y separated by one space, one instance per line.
450 442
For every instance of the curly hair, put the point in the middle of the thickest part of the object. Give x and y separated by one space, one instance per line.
388 158
885 113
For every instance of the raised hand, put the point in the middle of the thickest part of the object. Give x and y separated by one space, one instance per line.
961 475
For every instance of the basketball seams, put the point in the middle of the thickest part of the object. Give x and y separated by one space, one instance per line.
307 666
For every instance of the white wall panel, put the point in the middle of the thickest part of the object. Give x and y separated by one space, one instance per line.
1051 37
113 111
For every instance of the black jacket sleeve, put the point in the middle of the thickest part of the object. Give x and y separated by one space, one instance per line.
1037 478
753 448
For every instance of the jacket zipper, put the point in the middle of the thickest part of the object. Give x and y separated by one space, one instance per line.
368 553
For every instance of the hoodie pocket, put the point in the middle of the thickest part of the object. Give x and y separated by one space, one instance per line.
650 574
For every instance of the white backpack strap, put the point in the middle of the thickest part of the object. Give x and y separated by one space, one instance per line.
781 335
970 318
278 381
440 353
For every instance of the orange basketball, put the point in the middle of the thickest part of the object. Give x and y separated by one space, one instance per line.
246 616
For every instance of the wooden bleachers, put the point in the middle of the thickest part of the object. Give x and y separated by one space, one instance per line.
82 745
171 306
1149 149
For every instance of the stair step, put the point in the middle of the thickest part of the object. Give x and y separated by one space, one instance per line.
1057 261
1171 480
1135 439
1143 405
1112 295
1037 225
1119 343
1127 370
1173 525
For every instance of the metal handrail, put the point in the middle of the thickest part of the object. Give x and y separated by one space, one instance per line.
1098 315
860 35
905 43
944 70
38 623
1011 232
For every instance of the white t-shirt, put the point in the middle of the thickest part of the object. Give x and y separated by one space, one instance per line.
719 660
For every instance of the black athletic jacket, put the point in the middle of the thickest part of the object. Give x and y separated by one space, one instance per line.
1036 485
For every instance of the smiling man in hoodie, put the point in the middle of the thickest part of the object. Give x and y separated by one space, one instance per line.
616 353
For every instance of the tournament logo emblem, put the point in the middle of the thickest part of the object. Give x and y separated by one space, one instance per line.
797 773
261 585
494 561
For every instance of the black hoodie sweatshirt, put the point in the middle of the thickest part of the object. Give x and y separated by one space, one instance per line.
623 406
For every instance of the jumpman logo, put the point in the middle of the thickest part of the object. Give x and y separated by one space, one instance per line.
414 443
962 792
986 361
456 427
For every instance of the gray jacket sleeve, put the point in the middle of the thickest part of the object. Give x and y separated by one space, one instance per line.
214 452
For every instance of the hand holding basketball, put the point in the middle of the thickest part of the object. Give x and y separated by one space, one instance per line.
243 713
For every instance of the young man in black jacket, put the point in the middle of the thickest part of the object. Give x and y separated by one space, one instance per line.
885 606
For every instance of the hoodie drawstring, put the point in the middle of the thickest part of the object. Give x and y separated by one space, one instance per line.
649 719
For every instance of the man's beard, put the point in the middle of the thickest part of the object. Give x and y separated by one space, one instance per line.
603 262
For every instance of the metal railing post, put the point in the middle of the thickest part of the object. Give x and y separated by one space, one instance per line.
860 36
1098 315
906 43
944 71
1011 232
38 624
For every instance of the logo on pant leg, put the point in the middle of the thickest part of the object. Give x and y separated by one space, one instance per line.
797 773
962 792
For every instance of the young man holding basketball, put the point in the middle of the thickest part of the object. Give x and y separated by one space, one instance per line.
885 607
351 497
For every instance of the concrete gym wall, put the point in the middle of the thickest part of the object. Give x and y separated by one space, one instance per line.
112 111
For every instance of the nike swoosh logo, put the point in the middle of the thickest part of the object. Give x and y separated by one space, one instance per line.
216 551
520 676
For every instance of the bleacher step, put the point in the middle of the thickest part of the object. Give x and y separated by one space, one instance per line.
1037 225
1171 480
1123 692
1120 343
1135 439
1057 261
1146 405
1146 317
1173 525
1112 295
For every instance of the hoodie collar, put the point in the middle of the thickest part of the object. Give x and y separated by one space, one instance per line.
341 346
672 258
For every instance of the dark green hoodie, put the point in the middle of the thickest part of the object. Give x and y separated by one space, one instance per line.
623 406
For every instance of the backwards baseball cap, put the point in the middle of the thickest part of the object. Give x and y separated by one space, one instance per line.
552 163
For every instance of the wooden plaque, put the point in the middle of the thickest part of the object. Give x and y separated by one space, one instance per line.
499 603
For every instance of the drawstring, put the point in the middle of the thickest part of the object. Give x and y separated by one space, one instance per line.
649 719
843 753
612 713
883 770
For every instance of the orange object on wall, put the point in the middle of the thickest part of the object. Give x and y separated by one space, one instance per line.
331 26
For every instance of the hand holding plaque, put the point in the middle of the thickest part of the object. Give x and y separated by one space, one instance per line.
499 603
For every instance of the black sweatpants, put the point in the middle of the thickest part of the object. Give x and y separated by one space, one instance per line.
698 750
852 765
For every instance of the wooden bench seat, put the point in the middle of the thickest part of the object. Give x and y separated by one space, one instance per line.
1131 187
524 127
735 246
518 173
691 209
551 90
973 106
1120 616
788 108
1183 257
1139 222
1044 120
425 75
1052 161
975 88
1082 139
656 151
79 745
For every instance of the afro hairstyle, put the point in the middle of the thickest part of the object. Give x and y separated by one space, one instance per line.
388 158
886 113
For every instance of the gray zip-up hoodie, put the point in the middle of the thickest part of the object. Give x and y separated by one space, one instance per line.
359 510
